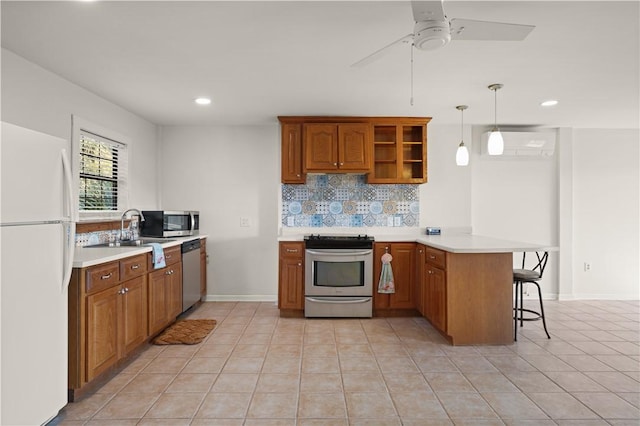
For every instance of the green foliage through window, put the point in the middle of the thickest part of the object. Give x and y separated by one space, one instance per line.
99 172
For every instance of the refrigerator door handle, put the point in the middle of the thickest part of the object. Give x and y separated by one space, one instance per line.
70 226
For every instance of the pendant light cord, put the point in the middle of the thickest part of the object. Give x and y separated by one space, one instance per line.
411 99
462 126
495 108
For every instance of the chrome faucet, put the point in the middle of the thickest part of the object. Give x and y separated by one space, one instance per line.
122 220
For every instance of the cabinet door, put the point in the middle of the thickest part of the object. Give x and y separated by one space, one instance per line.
403 265
102 330
418 278
354 152
157 300
174 289
321 147
134 313
292 154
437 297
291 288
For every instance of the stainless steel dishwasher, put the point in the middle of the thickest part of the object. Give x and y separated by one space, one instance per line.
190 273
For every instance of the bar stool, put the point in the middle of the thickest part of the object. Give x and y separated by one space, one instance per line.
521 276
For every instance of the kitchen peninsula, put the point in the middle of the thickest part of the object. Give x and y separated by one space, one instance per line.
462 283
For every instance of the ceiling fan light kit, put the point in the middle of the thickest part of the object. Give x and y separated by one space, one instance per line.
431 35
462 154
495 144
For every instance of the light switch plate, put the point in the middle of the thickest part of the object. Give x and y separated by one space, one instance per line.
244 222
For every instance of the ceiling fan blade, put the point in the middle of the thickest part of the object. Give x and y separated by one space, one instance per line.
427 11
380 52
469 29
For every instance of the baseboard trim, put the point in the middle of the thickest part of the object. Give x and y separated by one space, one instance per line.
240 298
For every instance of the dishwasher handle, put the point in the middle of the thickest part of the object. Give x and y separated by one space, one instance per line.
191 245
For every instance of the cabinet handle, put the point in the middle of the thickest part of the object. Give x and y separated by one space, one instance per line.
106 277
420 251
292 250
298 175
134 267
126 290
342 164
299 263
431 256
169 272
168 257
430 271
335 164
121 291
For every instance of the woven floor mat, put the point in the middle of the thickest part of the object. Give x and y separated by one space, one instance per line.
186 332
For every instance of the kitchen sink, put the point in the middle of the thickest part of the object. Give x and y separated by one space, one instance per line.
130 243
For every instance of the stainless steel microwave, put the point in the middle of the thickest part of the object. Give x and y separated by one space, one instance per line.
169 223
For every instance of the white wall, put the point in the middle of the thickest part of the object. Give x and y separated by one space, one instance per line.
445 200
606 214
517 199
227 173
37 99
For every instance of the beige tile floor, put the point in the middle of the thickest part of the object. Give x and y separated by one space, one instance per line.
258 369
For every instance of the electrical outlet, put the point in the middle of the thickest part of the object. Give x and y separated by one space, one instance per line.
587 266
244 222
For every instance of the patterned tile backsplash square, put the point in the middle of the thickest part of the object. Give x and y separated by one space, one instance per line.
348 201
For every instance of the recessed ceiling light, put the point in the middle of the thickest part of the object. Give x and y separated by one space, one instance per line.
548 103
203 101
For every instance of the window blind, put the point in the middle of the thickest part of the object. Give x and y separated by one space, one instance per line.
103 173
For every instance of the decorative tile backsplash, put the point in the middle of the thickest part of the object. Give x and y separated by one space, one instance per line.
348 201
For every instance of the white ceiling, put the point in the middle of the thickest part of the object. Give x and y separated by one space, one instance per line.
258 60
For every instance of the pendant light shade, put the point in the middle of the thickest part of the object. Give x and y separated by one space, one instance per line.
462 154
495 145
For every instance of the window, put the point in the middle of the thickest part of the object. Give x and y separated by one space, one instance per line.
101 169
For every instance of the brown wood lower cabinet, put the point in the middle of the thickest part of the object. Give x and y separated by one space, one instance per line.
291 278
403 265
165 297
467 296
114 308
116 324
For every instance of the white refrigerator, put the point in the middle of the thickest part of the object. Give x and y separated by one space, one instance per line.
37 233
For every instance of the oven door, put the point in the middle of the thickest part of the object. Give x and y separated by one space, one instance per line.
338 272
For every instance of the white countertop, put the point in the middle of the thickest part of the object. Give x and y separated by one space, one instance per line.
84 257
454 243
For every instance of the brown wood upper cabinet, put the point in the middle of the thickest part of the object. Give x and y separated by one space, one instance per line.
292 171
399 150
331 147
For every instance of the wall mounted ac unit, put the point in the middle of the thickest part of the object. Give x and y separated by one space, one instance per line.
519 143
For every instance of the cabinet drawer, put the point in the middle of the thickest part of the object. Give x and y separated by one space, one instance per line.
436 257
172 255
292 250
102 276
132 267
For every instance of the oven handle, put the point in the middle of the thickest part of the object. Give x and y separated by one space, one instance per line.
341 302
345 253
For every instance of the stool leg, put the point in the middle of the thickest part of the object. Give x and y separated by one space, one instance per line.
521 304
515 313
544 323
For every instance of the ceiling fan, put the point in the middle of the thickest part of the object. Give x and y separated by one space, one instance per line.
433 29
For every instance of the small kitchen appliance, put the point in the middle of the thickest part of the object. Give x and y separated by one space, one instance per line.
169 223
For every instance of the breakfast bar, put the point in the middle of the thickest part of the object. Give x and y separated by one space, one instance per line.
461 283
478 285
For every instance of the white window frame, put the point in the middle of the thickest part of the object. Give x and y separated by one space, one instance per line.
78 125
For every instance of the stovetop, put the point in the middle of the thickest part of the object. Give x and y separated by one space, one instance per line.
339 241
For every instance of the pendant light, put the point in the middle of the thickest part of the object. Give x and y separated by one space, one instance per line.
462 154
496 143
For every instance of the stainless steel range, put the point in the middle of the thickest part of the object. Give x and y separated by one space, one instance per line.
338 276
